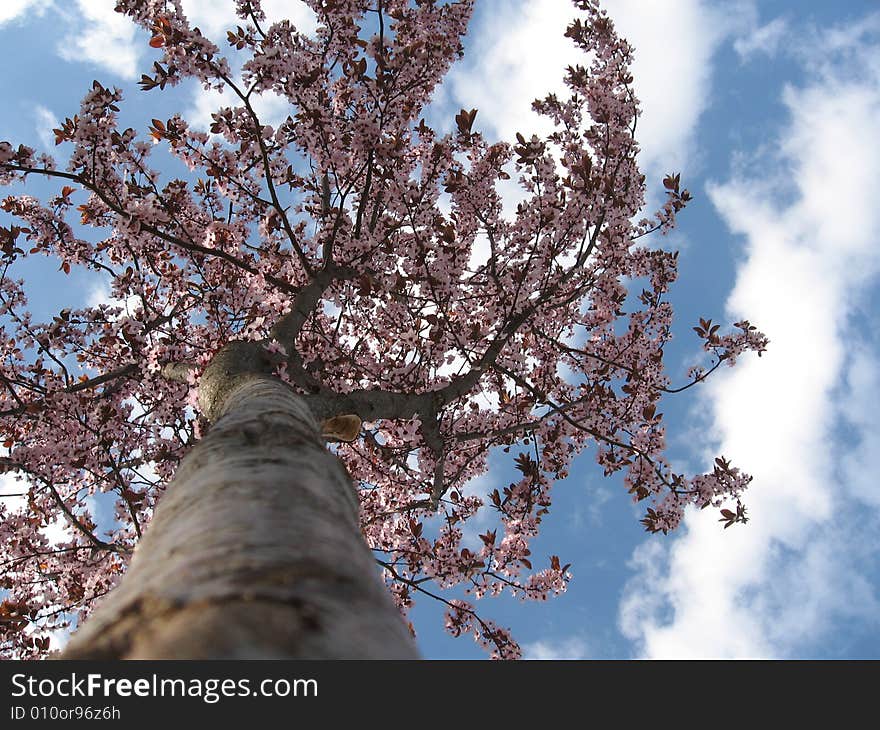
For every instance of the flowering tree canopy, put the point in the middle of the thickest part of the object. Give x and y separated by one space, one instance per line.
368 259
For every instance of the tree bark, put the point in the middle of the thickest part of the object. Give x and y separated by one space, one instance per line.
255 552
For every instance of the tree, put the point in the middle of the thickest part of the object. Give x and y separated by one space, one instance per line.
347 276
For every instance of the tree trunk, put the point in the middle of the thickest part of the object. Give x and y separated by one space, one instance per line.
255 552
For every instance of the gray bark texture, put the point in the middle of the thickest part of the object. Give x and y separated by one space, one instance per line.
255 551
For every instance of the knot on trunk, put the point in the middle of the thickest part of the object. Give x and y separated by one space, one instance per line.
341 428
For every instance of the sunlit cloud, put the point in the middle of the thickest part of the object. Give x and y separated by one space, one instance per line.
46 121
215 17
270 108
19 9
764 40
806 209
523 43
102 37
572 647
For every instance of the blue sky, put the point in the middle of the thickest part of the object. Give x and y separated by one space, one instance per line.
770 109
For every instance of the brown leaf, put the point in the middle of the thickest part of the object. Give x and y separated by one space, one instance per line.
365 285
465 120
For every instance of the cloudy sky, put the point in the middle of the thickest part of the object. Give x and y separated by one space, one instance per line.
770 109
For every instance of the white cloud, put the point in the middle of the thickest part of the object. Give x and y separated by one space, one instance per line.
204 103
215 17
12 490
57 531
108 39
573 647
14 9
46 121
762 40
590 511
100 294
858 408
271 108
809 219
480 486
499 77
672 69
102 37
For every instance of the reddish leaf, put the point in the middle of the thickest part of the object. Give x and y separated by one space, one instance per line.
465 120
